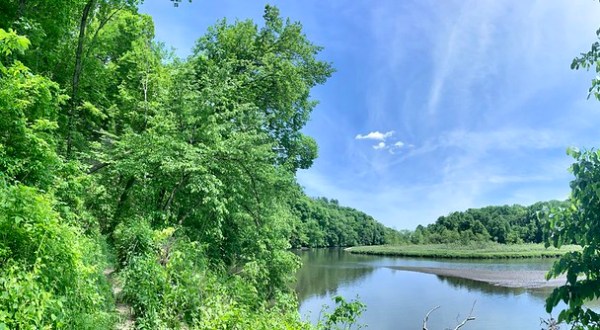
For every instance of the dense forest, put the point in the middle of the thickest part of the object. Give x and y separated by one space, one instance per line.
503 224
121 165
324 223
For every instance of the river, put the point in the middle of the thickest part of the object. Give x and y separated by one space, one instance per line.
399 299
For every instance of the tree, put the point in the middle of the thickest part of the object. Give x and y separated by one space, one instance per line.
325 223
185 169
579 224
274 69
28 108
48 267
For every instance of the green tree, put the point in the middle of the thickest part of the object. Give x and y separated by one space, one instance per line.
325 223
274 68
29 105
579 224
185 168
49 269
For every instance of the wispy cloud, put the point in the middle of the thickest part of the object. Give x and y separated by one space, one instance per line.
462 81
375 136
468 51
380 145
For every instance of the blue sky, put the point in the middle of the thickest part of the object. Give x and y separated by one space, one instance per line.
436 106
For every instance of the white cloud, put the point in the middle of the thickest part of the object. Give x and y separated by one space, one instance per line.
382 137
375 136
380 145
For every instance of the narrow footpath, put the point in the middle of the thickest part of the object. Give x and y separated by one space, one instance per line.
123 310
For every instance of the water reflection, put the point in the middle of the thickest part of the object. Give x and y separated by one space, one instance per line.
483 287
399 299
325 270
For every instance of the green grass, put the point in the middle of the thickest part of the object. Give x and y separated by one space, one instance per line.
470 251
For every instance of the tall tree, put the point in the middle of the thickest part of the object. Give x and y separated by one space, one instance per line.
580 224
276 69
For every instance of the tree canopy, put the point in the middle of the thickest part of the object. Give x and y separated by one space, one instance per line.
325 223
179 174
503 224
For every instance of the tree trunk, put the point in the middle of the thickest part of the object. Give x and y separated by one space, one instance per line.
89 6
121 204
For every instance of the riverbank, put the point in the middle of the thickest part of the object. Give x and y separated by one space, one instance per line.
470 251
528 279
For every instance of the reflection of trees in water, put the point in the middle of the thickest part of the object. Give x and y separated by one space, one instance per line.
471 285
325 270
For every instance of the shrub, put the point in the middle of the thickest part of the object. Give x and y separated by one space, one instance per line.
49 271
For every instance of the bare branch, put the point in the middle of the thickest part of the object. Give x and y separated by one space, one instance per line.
468 318
427 317
549 324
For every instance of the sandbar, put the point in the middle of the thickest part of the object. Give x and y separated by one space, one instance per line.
529 279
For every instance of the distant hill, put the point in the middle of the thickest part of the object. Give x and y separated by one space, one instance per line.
502 224
325 223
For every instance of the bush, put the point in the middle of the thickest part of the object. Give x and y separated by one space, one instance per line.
134 238
162 275
49 271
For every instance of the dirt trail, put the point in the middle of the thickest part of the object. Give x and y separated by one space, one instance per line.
124 310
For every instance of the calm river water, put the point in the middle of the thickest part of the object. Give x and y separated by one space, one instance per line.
400 299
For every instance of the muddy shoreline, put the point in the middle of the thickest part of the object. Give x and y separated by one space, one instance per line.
528 279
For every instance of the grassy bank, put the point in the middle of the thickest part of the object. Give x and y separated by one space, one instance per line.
471 251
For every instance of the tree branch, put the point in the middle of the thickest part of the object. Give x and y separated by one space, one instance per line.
97 167
468 318
100 26
427 317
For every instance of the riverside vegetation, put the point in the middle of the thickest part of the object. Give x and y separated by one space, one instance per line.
180 175
467 251
176 177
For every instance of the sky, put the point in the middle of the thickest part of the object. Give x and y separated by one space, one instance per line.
435 106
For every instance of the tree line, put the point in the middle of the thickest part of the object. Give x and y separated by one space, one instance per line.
507 224
325 223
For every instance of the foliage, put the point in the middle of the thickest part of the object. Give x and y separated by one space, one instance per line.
50 275
165 288
578 223
474 250
324 223
502 224
183 170
28 109
587 61
12 42
272 68
344 316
